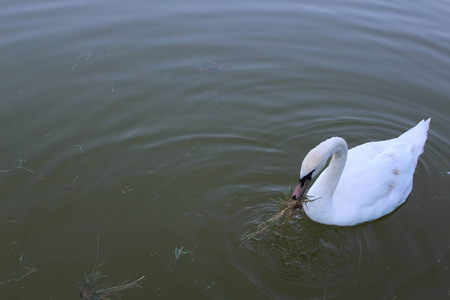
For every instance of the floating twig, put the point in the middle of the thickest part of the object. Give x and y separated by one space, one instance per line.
193 213
19 167
79 146
178 252
126 189
72 186
86 56
111 48
210 66
165 78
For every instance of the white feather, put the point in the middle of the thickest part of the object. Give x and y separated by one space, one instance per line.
365 183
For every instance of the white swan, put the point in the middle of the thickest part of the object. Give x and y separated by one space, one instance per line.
363 183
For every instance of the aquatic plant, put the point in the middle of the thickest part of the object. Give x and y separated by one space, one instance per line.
286 209
92 289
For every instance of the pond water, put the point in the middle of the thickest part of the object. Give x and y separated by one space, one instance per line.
131 130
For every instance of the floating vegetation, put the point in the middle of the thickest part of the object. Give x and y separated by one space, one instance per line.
218 95
112 47
165 77
78 146
19 167
206 67
84 56
126 189
286 209
72 186
92 289
178 253
211 66
16 276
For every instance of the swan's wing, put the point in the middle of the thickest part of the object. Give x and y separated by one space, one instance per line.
376 179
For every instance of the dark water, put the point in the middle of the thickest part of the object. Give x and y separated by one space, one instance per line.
156 125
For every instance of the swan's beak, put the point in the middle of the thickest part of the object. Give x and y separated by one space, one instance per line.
299 189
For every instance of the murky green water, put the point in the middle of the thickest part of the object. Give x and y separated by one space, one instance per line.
156 125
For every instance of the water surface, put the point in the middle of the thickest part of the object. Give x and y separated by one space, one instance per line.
156 125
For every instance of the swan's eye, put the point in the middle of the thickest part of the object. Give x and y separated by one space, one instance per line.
307 177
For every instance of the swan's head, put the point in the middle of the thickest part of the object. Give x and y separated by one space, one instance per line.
312 164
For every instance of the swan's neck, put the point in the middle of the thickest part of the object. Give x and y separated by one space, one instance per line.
337 149
324 187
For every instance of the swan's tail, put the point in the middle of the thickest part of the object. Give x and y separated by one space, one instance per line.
417 136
